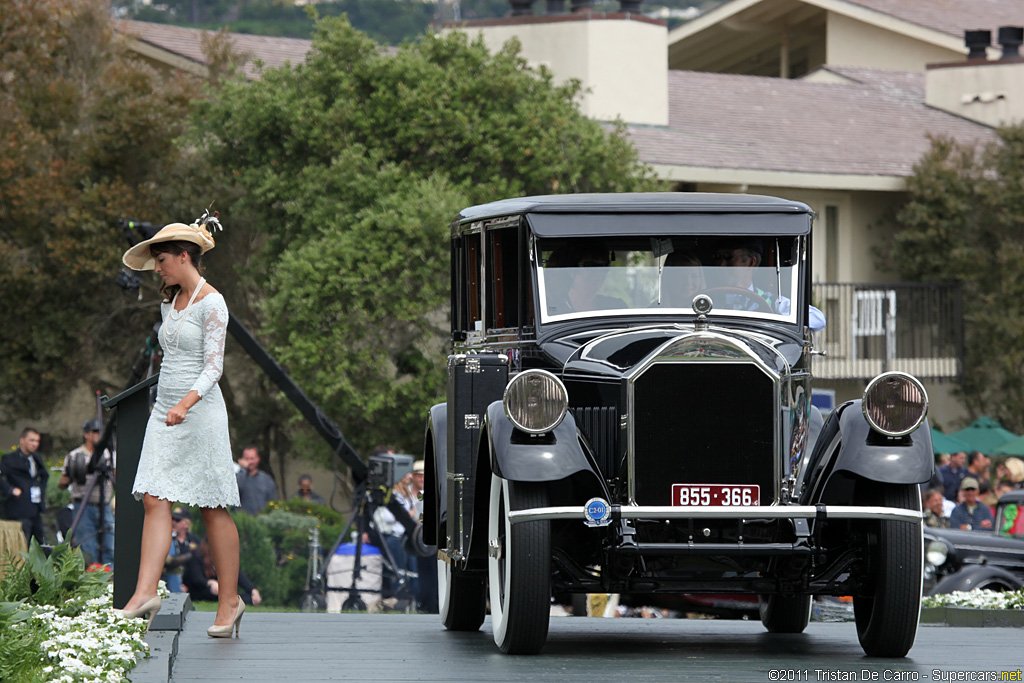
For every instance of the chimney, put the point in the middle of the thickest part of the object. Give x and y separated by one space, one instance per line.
521 7
1010 38
977 41
977 88
556 6
630 6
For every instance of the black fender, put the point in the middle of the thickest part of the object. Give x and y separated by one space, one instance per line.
977 576
518 457
865 453
435 466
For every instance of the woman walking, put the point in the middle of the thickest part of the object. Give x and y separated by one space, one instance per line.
186 454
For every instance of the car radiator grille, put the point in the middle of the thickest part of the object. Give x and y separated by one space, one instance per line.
702 423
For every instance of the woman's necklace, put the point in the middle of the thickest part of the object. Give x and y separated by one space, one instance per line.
180 315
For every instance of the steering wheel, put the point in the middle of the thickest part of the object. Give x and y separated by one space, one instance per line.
755 298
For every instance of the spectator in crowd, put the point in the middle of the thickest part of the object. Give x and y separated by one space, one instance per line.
87 533
184 546
23 478
1001 488
200 579
306 492
971 515
978 465
953 474
1012 470
934 515
426 567
256 488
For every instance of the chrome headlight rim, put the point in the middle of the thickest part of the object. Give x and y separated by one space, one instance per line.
562 396
867 401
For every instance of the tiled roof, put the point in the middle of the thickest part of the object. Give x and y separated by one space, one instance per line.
951 16
186 43
877 126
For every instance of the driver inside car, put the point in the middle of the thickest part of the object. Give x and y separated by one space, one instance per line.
739 258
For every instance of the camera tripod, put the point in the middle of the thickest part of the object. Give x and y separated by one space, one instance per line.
79 471
362 523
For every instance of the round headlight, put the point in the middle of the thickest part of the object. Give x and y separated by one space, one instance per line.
936 553
895 403
536 401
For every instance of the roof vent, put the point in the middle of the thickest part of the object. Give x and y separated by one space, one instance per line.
521 7
1011 37
977 41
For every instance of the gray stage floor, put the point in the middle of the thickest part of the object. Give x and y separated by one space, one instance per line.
404 648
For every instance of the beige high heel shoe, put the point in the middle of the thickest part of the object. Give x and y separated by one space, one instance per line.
148 609
224 631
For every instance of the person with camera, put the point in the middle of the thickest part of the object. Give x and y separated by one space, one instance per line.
23 478
186 452
90 511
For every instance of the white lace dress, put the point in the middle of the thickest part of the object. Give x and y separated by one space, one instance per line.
190 462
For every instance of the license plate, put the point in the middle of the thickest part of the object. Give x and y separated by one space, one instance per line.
724 495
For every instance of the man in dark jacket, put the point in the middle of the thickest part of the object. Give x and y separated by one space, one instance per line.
23 484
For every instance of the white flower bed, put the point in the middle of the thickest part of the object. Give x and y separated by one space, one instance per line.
99 645
977 599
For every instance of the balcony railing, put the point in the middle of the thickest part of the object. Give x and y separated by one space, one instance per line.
877 327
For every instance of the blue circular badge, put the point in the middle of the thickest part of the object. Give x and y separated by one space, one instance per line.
597 512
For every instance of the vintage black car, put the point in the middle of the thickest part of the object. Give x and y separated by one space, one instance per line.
628 411
993 559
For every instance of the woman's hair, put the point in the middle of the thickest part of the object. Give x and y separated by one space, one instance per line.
174 248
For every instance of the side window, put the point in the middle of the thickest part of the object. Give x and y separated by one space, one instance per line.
471 271
505 271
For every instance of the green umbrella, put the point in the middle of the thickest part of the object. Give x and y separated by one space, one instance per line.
984 434
1013 447
944 443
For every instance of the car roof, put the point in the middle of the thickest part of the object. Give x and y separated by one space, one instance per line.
635 202
1016 497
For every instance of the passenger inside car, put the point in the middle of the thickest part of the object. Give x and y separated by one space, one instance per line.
587 265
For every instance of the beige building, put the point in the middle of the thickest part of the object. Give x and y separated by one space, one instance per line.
829 102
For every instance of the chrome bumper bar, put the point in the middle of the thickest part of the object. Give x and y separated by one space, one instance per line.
744 513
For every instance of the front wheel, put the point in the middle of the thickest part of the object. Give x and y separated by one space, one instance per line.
518 568
785 614
462 599
887 619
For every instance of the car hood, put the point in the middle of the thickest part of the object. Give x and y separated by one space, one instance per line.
618 352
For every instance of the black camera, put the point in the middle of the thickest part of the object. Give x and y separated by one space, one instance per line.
385 469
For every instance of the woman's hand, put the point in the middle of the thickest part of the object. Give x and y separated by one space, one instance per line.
176 415
256 597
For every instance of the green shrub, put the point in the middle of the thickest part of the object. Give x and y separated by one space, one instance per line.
275 545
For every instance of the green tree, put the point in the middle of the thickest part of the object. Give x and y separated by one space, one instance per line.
351 167
964 222
88 137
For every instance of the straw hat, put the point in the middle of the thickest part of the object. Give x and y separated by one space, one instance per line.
139 258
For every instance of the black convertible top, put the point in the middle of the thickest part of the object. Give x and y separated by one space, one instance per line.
665 213
635 202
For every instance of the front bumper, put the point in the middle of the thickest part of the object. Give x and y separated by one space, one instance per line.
656 512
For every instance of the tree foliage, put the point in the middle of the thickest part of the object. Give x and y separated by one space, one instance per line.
88 137
964 222
352 165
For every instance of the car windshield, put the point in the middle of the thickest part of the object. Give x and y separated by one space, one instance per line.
745 276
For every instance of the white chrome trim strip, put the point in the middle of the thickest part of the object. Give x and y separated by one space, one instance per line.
746 513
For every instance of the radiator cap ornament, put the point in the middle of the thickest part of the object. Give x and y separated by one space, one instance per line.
597 512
